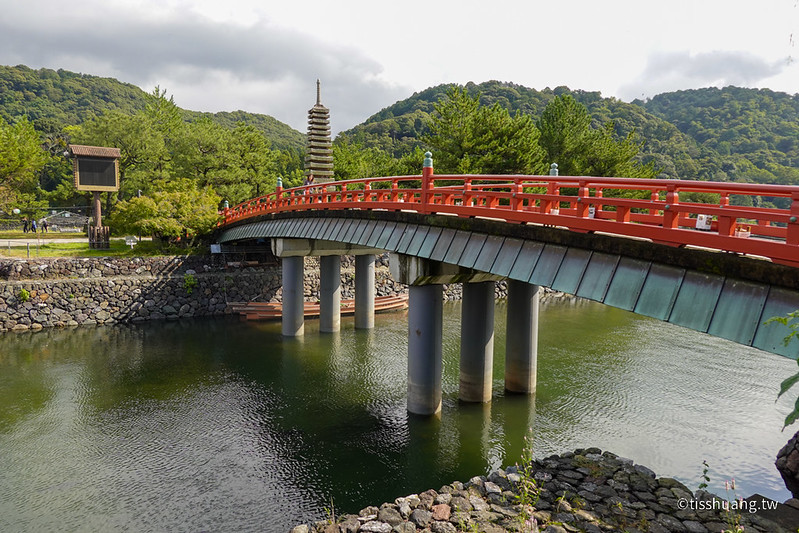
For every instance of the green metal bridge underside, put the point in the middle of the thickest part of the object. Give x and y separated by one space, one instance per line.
722 294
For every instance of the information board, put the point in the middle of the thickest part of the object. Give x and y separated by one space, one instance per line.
96 168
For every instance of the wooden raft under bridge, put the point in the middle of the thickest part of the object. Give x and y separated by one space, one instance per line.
274 311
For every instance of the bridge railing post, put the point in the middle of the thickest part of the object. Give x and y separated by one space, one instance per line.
654 197
278 192
622 214
792 233
726 223
427 184
225 210
598 193
583 197
670 214
517 202
550 206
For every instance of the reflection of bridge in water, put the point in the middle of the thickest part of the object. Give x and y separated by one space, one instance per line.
721 268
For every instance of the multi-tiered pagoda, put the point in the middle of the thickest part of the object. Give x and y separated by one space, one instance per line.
319 151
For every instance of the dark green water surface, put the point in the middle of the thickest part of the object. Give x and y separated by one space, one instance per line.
222 425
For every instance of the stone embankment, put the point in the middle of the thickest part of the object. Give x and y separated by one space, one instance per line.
587 491
43 293
59 292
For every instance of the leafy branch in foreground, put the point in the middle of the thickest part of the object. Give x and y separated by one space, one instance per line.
792 321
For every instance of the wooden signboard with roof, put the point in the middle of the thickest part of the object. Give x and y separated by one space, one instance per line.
96 169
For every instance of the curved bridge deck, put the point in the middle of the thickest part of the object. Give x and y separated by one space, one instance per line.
645 209
568 233
722 268
722 294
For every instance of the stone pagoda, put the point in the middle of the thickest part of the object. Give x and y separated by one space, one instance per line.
319 151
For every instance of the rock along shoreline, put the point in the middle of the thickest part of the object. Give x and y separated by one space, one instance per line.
581 491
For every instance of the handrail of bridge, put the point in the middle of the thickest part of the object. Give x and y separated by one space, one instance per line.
717 215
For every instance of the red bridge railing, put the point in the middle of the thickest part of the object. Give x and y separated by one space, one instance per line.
718 216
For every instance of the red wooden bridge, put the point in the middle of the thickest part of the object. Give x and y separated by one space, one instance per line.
696 254
639 208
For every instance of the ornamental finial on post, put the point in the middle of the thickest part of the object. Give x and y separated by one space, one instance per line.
553 169
427 182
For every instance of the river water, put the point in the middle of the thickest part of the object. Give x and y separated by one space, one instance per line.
223 425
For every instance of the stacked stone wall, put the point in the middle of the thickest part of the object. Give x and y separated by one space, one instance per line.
43 293
55 293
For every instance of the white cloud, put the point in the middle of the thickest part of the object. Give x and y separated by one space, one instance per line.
679 70
206 65
265 56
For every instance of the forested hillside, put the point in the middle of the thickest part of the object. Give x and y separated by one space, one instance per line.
175 164
174 157
729 134
53 99
711 134
759 125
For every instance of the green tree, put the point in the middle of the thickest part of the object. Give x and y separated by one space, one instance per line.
354 161
56 177
21 159
201 152
581 150
148 141
241 164
608 156
505 144
564 125
164 120
253 160
140 146
451 130
468 138
177 210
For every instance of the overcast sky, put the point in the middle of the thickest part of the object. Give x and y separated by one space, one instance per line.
264 56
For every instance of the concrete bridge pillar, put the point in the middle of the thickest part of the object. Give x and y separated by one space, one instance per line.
425 279
521 342
365 291
293 320
425 320
330 293
477 342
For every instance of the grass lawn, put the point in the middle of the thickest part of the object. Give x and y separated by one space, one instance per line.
53 248
50 236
